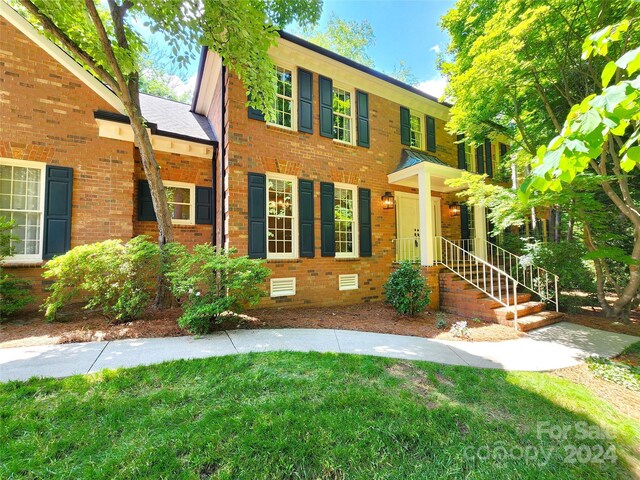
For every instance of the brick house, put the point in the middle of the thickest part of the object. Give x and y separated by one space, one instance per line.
349 179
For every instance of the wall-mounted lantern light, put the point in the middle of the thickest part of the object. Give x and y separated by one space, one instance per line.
387 200
454 209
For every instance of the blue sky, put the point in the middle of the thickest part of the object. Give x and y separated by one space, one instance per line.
404 30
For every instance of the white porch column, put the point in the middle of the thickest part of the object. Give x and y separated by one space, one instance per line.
426 222
480 224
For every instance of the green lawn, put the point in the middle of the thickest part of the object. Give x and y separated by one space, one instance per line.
294 415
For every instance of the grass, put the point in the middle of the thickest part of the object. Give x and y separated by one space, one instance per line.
295 415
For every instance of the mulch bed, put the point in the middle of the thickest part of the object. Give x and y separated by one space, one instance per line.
595 320
78 325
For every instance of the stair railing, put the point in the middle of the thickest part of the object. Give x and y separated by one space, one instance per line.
535 279
491 280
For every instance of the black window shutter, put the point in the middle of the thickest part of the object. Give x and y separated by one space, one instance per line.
305 197
405 126
363 118
503 150
305 101
462 154
57 211
204 205
327 220
464 222
326 107
431 134
146 213
257 215
364 202
480 159
488 155
255 114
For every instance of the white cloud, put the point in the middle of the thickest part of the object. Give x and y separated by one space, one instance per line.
434 86
179 86
436 49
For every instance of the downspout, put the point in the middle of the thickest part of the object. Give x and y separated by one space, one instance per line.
213 196
223 140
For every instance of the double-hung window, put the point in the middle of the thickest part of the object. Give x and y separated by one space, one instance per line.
470 155
181 200
342 115
281 216
284 97
22 200
417 132
346 219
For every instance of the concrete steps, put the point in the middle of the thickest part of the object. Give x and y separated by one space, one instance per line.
462 298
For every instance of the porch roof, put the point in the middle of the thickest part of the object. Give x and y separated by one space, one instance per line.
410 158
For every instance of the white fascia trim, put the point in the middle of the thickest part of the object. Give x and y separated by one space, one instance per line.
286 51
124 132
441 171
15 19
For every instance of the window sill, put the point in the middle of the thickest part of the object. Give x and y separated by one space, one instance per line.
281 128
344 144
347 259
284 260
22 263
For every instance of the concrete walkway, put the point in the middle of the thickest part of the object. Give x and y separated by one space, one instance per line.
556 346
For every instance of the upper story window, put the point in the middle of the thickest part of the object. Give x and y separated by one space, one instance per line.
281 219
470 154
22 200
342 115
284 97
346 215
181 200
417 132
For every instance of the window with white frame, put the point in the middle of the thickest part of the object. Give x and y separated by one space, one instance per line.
181 200
342 115
470 155
281 216
284 97
22 200
346 217
417 132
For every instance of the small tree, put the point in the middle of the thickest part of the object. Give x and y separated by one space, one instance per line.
14 292
211 282
407 290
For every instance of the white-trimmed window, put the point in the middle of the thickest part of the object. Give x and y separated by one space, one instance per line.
417 131
342 115
22 200
285 99
470 154
182 204
346 220
282 223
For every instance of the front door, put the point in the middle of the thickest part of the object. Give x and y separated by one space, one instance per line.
408 225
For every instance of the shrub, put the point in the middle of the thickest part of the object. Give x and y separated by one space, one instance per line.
15 293
441 321
407 290
116 277
211 282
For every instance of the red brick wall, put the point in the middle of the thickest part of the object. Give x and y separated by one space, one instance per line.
257 147
177 168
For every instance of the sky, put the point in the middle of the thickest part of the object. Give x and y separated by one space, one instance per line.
404 30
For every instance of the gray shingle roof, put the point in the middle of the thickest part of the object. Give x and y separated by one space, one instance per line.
413 157
175 117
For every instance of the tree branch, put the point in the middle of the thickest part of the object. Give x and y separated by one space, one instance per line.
70 45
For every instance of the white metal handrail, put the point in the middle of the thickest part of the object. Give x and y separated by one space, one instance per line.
491 280
535 279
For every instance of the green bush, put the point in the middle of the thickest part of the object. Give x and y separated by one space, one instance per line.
211 282
15 293
407 290
118 278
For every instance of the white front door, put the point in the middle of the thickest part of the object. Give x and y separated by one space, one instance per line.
408 225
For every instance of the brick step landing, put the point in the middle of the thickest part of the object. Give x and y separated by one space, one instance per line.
462 298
